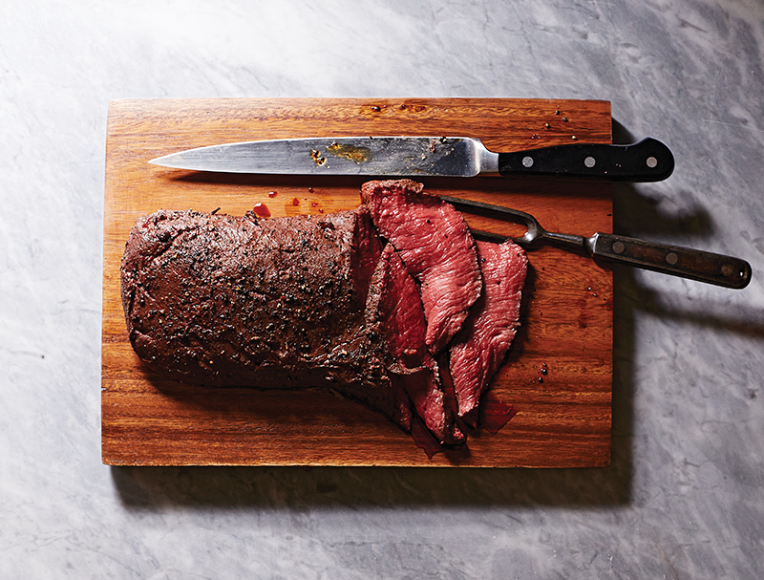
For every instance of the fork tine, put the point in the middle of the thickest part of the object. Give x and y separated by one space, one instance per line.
491 210
489 236
534 229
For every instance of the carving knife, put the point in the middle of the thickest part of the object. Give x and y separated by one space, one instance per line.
646 160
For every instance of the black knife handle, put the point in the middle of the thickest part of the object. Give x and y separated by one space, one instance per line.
684 262
647 160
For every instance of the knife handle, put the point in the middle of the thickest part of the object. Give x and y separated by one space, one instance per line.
647 160
684 262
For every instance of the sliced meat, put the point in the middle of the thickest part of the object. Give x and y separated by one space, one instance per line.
479 349
316 301
435 244
411 367
285 303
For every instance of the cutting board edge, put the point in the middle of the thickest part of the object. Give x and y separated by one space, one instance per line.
117 103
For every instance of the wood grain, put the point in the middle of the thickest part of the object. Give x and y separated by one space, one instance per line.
563 417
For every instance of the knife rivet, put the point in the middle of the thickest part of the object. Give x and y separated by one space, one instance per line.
618 247
527 161
672 258
652 162
727 270
589 161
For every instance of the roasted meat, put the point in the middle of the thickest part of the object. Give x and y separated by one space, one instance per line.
370 303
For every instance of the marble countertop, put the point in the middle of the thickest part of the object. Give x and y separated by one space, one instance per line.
684 495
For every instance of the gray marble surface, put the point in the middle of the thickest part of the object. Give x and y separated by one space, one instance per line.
684 496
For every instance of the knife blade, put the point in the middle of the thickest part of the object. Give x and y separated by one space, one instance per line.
408 156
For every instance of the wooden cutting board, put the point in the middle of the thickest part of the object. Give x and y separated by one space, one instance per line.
558 375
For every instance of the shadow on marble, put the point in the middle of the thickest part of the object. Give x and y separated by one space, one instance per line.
635 214
705 315
151 488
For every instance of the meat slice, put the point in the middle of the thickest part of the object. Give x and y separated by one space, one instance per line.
435 244
238 301
479 349
411 367
401 308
